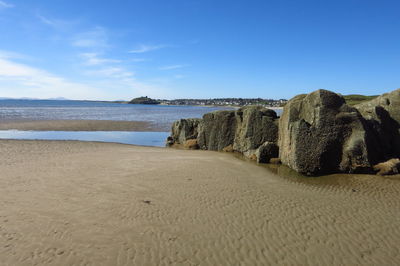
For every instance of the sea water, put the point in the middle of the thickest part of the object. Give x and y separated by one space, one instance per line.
156 139
161 116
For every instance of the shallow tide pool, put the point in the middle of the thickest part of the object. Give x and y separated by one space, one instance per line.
156 139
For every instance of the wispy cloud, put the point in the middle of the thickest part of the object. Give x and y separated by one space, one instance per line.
91 39
5 5
117 77
170 67
21 80
63 25
144 48
9 55
93 59
104 67
46 20
139 59
111 72
18 80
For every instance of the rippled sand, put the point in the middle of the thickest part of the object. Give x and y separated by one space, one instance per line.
73 203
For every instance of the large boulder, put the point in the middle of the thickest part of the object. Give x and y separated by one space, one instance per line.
320 134
244 130
217 130
255 125
383 119
389 101
185 129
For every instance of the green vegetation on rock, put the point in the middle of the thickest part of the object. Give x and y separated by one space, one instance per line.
354 99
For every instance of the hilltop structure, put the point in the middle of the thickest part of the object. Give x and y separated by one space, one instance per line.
144 100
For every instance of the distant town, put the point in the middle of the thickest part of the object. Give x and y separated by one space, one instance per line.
213 102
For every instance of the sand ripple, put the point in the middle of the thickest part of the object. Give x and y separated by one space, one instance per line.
72 203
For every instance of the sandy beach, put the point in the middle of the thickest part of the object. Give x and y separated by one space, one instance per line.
80 125
75 203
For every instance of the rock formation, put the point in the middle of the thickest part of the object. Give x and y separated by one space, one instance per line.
184 129
217 130
383 119
320 134
243 130
255 126
389 101
317 134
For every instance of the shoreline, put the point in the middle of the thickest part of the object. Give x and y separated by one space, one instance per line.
80 125
70 202
222 106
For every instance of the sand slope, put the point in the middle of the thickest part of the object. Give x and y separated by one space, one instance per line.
72 203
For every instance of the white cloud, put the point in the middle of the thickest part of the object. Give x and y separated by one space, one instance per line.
61 25
91 39
106 67
93 59
130 87
19 80
118 79
5 5
138 60
170 67
8 55
143 48
111 72
46 20
85 43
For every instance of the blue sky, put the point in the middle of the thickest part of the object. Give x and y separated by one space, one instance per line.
197 48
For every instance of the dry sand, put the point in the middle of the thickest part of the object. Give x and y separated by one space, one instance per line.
74 203
79 125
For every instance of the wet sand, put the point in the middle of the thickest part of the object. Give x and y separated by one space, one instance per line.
74 203
80 125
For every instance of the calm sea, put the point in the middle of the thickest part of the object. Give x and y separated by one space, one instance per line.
159 115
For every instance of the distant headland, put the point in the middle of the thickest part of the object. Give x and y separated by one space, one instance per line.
144 100
351 100
212 102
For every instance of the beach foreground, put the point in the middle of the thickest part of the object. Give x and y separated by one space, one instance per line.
74 203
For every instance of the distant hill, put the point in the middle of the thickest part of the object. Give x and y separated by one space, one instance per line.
144 100
354 99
